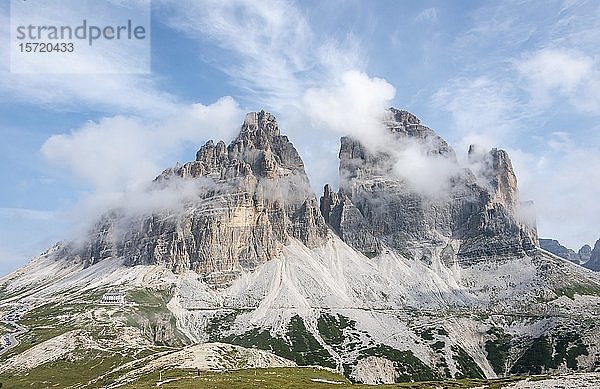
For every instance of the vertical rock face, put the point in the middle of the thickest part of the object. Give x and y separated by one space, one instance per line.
250 198
496 170
584 253
594 261
376 205
348 222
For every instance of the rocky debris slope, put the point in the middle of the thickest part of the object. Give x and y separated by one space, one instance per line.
249 198
377 205
563 381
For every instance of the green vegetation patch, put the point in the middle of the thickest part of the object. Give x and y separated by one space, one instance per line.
466 364
439 345
567 348
332 328
220 323
427 334
536 358
43 323
290 378
581 289
151 315
498 349
299 344
541 355
80 367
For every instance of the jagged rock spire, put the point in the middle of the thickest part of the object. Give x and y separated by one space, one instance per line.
253 196
481 218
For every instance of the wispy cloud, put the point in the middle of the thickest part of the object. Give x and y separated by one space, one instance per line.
26 214
272 52
484 111
564 181
427 15
113 93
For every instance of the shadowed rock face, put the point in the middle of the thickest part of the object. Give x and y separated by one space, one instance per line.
585 256
252 196
584 253
553 246
594 262
376 206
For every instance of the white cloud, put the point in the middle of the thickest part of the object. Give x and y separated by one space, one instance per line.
268 41
271 52
355 107
26 214
429 175
553 68
122 152
570 73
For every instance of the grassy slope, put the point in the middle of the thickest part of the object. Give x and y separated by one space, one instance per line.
287 378
101 326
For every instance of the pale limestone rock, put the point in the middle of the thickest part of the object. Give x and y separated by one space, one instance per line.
252 197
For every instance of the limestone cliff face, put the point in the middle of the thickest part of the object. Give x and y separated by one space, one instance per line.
252 196
377 206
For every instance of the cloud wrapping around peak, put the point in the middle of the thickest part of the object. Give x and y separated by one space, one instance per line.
427 174
121 152
356 106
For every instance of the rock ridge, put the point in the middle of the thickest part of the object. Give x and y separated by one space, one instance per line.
585 256
376 208
253 196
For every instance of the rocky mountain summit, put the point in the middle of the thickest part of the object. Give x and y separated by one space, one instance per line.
251 197
378 207
418 267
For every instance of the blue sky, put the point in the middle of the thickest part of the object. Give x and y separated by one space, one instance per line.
523 76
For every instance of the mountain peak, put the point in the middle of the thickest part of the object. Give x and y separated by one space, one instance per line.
259 124
594 261
407 125
383 207
251 198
